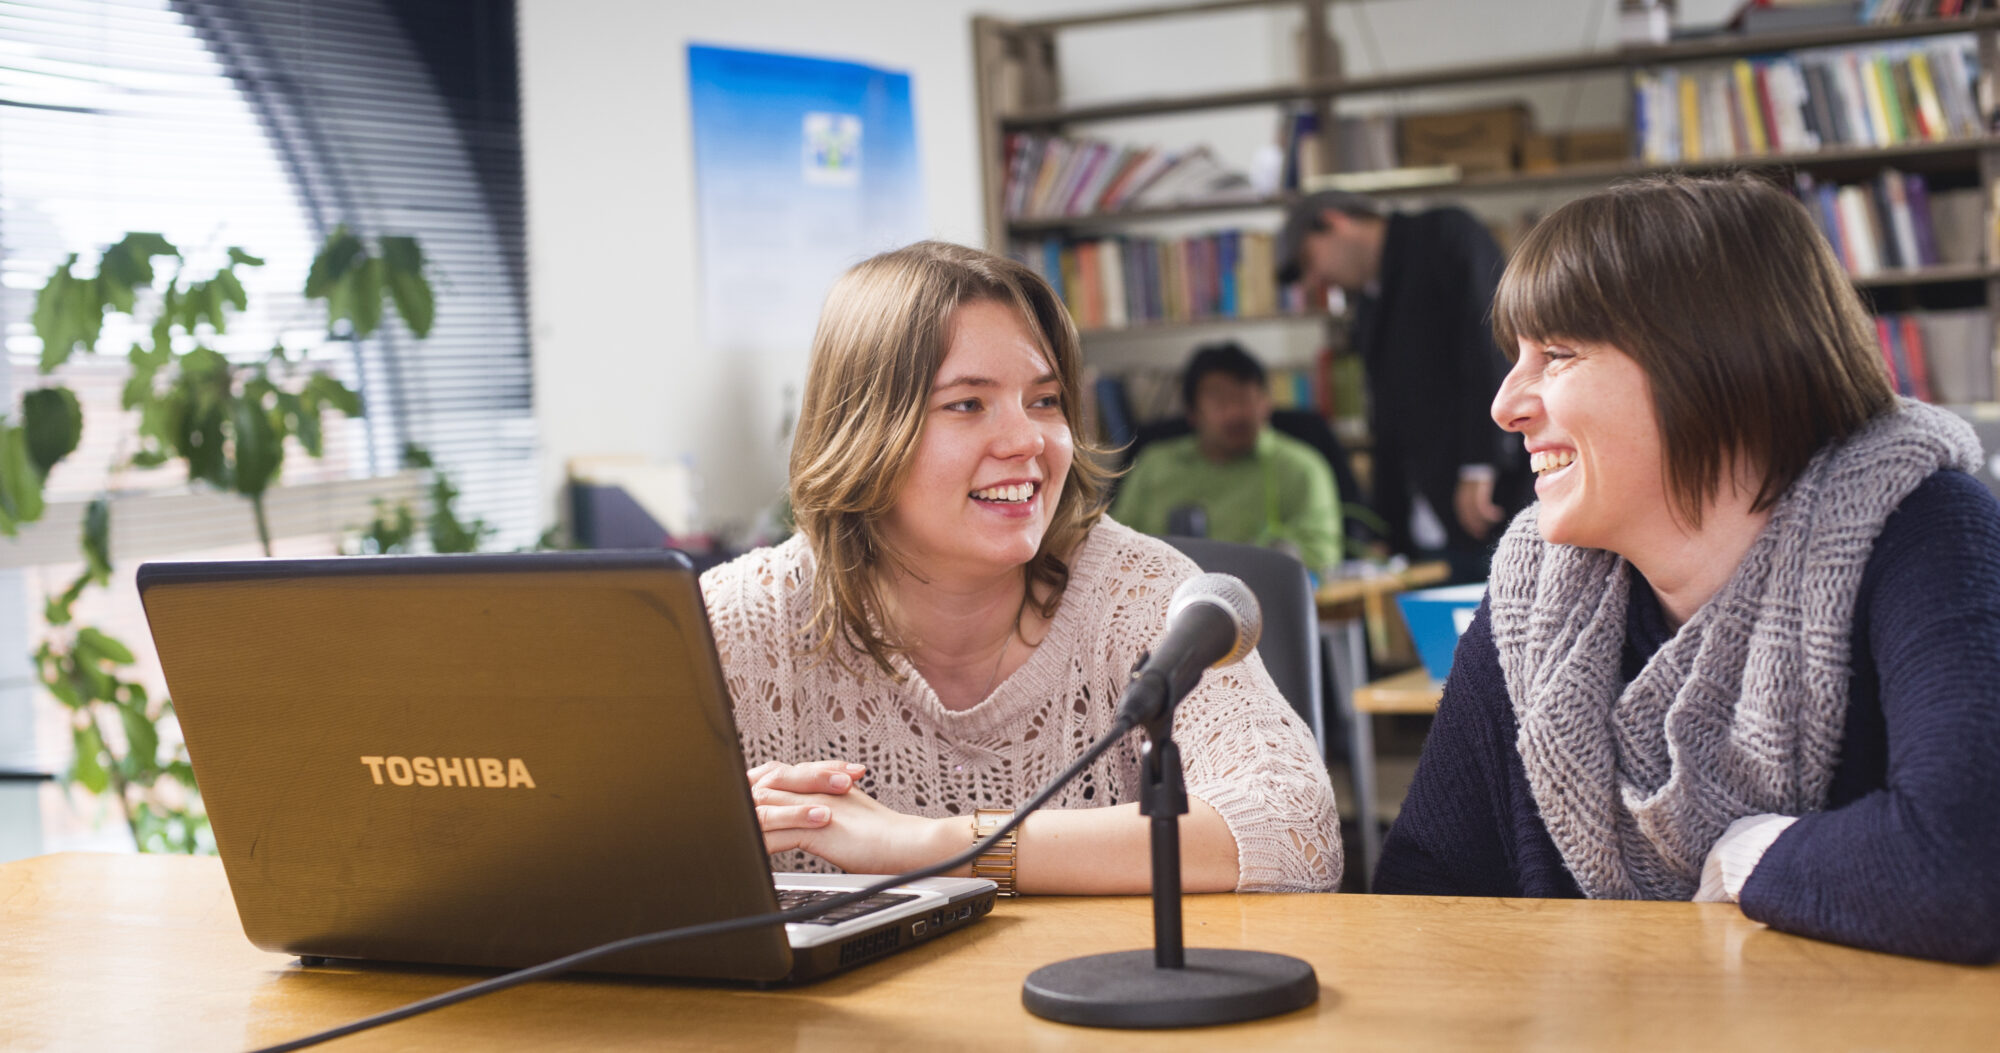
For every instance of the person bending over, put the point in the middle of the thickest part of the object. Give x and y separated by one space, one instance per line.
1422 283
1252 484
1745 645
956 619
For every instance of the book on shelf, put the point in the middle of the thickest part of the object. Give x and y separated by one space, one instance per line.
1790 16
1891 12
1297 388
1876 95
1894 221
1115 282
1331 385
1053 176
1939 356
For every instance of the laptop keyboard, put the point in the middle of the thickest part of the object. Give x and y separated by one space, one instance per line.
790 898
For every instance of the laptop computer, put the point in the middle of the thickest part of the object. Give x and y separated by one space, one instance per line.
491 760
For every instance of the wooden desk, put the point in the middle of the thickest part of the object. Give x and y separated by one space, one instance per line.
145 952
1342 599
1410 692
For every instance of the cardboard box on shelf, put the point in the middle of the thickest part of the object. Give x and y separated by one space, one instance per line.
1586 146
1485 139
1541 152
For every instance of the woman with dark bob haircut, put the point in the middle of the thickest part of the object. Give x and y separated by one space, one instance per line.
1746 645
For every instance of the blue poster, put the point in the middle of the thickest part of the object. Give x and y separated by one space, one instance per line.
803 167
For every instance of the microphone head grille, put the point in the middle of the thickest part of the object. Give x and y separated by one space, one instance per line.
1227 593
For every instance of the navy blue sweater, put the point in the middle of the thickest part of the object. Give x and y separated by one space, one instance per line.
1906 856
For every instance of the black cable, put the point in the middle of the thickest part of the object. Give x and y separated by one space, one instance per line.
1119 726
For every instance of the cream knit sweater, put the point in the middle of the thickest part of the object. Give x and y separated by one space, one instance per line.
1244 750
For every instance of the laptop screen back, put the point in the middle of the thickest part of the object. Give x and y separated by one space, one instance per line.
481 760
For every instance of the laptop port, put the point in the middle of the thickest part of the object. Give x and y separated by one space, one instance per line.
965 912
919 927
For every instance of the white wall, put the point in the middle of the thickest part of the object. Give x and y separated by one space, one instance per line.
619 362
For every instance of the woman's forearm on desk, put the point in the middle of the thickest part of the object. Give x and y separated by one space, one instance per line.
1108 851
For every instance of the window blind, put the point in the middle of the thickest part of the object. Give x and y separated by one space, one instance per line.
266 123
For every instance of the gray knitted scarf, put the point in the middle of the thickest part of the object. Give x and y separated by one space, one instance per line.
1742 711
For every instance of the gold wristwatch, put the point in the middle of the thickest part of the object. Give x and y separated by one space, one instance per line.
996 864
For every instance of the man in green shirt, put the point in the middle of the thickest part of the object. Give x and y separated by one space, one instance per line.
1234 476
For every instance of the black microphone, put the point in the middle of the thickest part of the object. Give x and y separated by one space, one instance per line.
1212 621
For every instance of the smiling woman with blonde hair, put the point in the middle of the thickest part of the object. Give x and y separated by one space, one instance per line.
956 618
1745 645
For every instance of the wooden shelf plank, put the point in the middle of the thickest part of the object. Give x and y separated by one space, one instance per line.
1526 69
1175 325
1141 14
1939 275
1034 224
1575 175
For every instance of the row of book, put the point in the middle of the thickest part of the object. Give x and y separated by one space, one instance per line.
1874 96
1894 221
1114 282
1331 385
1939 356
1051 176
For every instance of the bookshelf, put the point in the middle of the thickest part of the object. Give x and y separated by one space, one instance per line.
1019 91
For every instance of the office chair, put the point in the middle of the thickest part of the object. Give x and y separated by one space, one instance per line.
1290 642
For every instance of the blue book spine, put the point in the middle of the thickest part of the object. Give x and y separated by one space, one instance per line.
1829 217
1052 265
1226 253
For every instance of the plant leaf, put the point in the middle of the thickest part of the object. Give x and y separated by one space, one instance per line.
105 647
138 385
259 448
49 670
88 768
364 297
332 262
20 483
53 421
96 541
409 289
303 417
241 258
201 442
68 313
232 289
127 266
143 739
325 388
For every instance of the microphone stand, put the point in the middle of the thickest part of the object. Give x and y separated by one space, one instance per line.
1173 986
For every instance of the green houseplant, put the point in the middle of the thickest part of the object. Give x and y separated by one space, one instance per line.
226 421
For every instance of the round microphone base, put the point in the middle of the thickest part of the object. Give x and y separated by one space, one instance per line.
1125 989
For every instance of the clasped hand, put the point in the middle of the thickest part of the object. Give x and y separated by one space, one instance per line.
816 807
